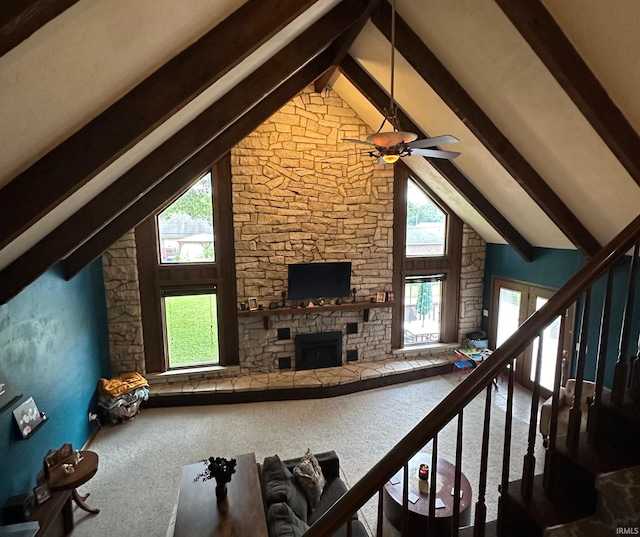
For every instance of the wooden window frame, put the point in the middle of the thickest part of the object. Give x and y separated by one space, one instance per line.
447 264
154 276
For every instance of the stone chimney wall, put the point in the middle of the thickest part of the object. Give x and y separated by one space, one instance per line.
301 194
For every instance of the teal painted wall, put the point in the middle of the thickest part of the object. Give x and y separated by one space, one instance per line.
553 268
54 348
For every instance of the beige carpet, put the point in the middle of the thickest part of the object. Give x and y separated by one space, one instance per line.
141 461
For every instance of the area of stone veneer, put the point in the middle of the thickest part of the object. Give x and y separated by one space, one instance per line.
302 194
120 269
474 250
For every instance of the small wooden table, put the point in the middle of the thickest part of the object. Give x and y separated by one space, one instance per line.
419 511
84 470
241 514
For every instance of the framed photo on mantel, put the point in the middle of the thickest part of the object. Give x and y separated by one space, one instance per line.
7 393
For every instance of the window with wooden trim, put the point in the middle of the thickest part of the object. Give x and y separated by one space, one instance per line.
427 256
187 277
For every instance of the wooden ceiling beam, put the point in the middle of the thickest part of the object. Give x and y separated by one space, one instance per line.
70 165
343 43
434 73
176 182
19 20
172 153
380 99
563 61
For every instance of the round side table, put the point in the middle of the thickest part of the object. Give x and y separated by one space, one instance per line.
85 469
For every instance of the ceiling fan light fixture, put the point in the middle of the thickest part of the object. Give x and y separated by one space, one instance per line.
390 159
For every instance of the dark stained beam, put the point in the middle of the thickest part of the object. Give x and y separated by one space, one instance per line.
563 61
19 20
380 99
176 182
453 94
342 45
75 161
168 156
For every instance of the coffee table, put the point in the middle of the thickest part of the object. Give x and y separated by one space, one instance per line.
241 514
418 516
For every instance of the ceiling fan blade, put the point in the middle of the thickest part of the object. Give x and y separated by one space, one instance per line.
356 141
435 153
431 142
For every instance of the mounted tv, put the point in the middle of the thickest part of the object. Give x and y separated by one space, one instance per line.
316 280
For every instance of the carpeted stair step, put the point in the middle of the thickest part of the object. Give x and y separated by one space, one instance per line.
531 517
619 502
618 507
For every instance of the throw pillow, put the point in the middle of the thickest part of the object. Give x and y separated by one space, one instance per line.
309 475
283 522
279 485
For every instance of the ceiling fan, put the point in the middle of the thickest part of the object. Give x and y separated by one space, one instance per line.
392 145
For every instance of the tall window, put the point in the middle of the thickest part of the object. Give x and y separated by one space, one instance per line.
426 224
185 259
426 265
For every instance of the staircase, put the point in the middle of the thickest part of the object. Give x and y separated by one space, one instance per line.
591 480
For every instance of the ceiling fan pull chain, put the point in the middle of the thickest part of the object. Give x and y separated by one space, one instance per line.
392 111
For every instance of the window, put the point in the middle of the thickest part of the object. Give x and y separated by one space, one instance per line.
191 326
422 306
426 224
426 274
185 259
185 228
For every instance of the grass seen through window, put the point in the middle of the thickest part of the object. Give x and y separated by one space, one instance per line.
192 330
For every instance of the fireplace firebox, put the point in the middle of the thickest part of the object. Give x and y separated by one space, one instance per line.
314 351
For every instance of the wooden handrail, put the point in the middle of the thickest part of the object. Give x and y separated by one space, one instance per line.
471 386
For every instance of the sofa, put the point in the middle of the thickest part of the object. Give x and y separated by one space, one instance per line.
290 508
566 397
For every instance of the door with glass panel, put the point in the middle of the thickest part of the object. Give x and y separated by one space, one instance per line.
512 303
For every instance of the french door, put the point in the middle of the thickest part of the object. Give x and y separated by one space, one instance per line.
512 303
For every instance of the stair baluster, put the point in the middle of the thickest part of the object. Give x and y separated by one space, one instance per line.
457 478
506 457
601 360
379 526
480 518
553 425
575 412
529 466
404 526
622 368
431 525
634 384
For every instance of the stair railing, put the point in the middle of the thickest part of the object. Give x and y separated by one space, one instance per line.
479 379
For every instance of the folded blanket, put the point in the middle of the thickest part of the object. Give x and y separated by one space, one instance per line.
122 384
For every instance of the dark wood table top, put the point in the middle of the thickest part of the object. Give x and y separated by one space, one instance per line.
241 514
83 471
444 484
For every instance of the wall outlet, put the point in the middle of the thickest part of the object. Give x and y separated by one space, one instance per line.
92 416
485 313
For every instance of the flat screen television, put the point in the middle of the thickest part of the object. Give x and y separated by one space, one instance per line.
319 280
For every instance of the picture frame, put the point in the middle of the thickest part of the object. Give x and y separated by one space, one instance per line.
65 451
253 304
28 417
42 493
391 297
380 296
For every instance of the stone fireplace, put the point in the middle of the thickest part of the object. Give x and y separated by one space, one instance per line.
314 351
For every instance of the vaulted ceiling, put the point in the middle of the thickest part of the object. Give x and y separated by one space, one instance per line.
109 108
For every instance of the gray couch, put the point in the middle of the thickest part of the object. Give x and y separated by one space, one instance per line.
287 509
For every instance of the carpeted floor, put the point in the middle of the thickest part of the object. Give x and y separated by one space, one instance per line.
141 461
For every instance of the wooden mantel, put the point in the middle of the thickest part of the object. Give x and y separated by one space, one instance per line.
266 314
